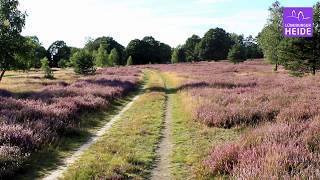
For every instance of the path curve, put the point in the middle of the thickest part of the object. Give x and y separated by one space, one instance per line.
56 174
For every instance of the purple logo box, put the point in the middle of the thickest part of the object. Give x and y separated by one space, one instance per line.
298 22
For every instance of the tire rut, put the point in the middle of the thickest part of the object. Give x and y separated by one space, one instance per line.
162 165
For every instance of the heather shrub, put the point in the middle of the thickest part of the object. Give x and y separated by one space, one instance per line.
311 136
284 161
223 159
234 114
281 113
266 160
300 110
18 136
11 158
274 133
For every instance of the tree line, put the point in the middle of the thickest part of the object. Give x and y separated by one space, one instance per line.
217 44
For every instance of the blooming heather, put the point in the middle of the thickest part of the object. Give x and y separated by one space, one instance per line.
27 124
282 113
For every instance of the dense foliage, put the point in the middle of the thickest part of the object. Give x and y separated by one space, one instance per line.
214 45
102 57
31 52
57 51
114 57
217 45
83 62
11 23
46 68
271 36
109 44
178 55
190 48
148 50
237 53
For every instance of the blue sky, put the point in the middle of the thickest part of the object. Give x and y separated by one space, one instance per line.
170 21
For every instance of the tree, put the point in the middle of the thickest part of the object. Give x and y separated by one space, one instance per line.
236 39
83 62
190 48
46 68
237 53
101 57
25 57
129 61
63 63
174 58
148 50
109 44
31 52
57 51
73 51
253 51
178 55
214 45
136 50
113 57
164 53
11 23
271 35
302 55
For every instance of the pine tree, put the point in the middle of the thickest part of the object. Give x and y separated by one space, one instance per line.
271 36
178 55
302 55
237 53
46 68
101 56
113 57
83 62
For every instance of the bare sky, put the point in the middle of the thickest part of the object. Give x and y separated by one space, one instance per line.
170 21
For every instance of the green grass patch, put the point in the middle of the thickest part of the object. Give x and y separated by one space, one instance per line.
128 150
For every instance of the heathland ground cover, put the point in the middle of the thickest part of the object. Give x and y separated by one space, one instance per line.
31 121
278 114
228 121
246 120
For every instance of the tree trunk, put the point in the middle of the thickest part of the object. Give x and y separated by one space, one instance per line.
276 67
314 70
2 74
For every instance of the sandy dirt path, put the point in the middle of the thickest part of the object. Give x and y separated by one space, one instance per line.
162 167
58 172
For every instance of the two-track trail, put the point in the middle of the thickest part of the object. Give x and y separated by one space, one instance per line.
161 166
